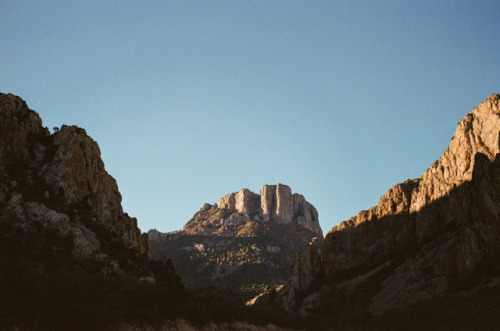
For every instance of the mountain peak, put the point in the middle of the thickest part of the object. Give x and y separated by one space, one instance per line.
276 203
245 241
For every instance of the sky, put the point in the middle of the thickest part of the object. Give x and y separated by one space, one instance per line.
192 100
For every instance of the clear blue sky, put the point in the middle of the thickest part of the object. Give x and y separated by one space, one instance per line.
191 100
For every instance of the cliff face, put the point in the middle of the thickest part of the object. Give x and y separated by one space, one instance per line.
59 182
276 203
245 242
432 229
71 259
244 201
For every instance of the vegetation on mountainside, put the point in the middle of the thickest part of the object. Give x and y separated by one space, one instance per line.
241 255
210 215
43 287
248 258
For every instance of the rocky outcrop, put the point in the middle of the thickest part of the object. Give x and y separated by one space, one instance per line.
244 201
306 266
70 259
276 203
244 242
304 270
59 181
441 225
18 126
305 214
77 173
279 204
227 202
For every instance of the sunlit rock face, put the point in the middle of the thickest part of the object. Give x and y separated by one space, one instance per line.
276 203
244 201
441 225
59 181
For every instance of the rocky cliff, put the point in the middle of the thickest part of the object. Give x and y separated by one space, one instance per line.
431 231
294 294
276 203
245 242
71 258
58 181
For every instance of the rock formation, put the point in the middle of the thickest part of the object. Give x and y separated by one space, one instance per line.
304 270
245 241
67 246
306 266
71 259
432 229
59 182
244 201
276 203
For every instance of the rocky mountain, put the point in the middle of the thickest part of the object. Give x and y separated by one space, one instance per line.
59 182
67 246
245 242
425 257
436 237
276 203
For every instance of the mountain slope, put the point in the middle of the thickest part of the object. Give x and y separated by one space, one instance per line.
71 258
425 257
431 235
245 242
